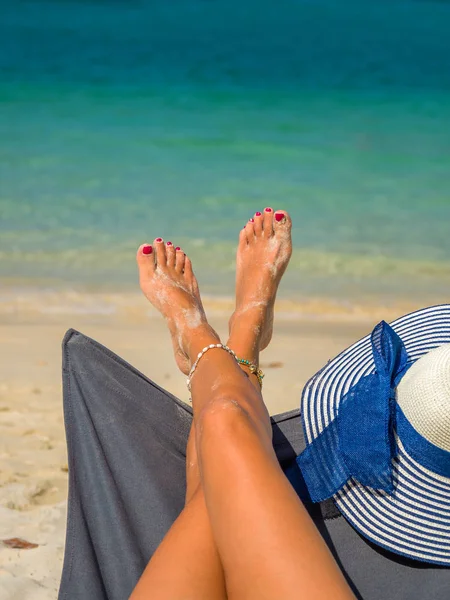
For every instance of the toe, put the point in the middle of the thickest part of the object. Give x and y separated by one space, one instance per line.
179 259
249 230
268 222
188 271
146 257
258 224
243 238
282 222
170 254
160 252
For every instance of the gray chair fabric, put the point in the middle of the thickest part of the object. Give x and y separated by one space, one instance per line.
126 441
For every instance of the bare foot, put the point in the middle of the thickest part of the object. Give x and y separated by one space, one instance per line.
263 254
168 281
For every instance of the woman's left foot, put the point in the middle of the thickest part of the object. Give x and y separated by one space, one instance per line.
263 254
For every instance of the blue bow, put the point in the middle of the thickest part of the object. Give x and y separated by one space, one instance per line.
360 442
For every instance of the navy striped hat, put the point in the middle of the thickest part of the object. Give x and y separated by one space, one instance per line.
377 427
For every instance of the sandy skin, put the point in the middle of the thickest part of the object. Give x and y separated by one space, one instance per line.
167 279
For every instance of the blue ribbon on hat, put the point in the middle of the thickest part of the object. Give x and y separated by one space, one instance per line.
359 443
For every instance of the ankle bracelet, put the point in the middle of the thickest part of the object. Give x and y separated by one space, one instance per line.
252 367
200 355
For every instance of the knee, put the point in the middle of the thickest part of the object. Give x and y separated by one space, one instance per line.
230 424
221 416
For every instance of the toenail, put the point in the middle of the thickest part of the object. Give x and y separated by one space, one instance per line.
169 244
279 216
177 248
159 239
268 209
258 214
251 220
147 250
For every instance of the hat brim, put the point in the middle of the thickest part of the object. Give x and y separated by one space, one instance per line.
414 520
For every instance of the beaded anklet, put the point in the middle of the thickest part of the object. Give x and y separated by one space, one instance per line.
252 367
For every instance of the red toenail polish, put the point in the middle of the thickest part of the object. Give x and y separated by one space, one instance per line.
279 216
177 248
268 210
147 250
252 220
159 239
169 244
258 214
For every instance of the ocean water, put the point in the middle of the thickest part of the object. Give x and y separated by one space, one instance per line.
121 121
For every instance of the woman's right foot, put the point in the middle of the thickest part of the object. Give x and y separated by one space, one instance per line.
168 282
263 254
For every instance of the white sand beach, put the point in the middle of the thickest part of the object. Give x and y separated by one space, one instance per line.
33 460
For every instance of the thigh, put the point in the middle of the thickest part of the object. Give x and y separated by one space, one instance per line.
186 566
269 546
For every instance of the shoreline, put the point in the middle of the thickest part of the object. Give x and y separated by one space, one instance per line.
32 305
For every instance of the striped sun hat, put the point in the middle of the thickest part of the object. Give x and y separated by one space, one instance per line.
377 428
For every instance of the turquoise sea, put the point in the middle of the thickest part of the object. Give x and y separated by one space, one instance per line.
125 120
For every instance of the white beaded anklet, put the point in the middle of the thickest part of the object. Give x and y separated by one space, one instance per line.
253 368
199 356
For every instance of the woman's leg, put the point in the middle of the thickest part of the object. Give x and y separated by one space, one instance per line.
186 565
268 545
